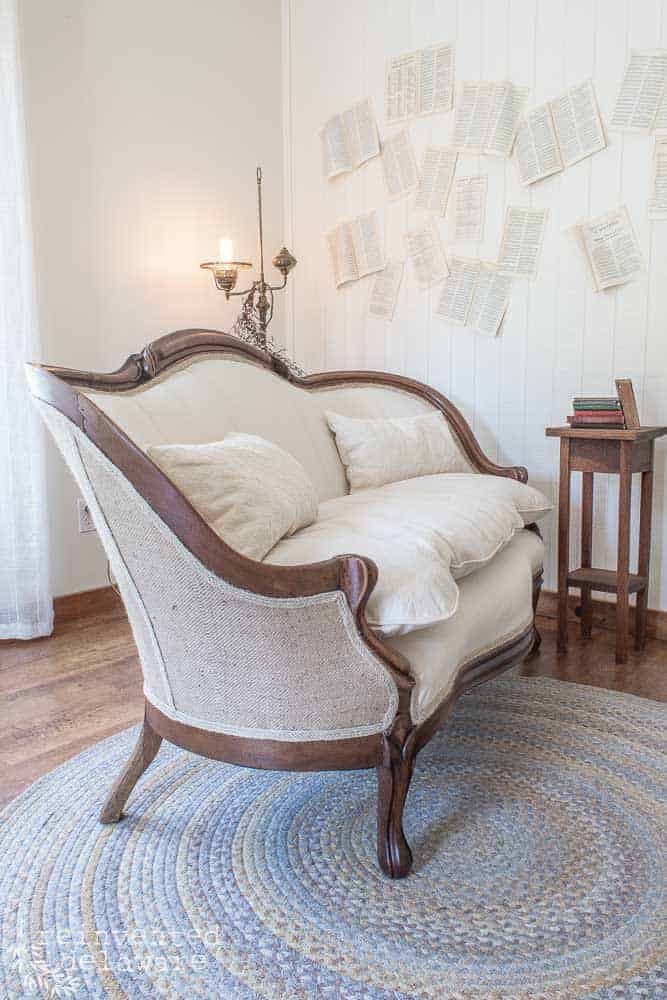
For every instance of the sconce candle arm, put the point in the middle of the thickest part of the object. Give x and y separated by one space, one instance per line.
278 288
259 300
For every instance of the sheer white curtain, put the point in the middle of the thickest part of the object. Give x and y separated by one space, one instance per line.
26 607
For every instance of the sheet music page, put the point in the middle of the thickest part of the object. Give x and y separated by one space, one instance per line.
435 178
427 256
641 90
578 123
521 245
399 165
612 249
536 146
436 79
367 243
385 290
657 206
507 103
490 299
402 87
336 156
473 110
457 292
470 208
362 134
342 253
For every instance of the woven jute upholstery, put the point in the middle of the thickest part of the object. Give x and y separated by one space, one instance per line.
218 657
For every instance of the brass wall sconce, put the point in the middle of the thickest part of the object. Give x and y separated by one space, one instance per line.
259 296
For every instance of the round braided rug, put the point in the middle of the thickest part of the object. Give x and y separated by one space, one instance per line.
538 825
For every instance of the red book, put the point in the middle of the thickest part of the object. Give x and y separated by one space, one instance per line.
600 416
615 424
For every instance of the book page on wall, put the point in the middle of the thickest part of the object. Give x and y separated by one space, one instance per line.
453 303
657 206
349 139
367 244
435 179
610 248
559 134
399 165
355 248
522 239
470 208
475 294
386 286
342 255
578 123
487 116
660 120
436 79
490 300
401 88
426 255
641 91
536 147
419 83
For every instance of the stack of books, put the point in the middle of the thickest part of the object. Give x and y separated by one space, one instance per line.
597 411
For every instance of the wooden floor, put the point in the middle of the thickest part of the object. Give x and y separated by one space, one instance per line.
61 694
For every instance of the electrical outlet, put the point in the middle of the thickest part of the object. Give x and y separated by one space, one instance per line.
85 520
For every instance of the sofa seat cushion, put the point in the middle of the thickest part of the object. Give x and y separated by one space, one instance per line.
423 534
495 606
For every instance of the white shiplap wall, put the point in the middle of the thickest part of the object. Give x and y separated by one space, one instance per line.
559 338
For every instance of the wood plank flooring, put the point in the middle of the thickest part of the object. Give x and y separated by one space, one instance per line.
61 694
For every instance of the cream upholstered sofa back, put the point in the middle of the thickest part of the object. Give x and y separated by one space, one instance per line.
210 395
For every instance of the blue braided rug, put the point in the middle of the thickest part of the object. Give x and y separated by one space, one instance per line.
538 825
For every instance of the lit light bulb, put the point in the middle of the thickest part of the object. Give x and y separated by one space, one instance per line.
226 250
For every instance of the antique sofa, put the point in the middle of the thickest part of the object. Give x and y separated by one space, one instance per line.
264 665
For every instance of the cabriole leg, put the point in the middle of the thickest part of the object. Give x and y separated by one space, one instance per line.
394 775
144 752
537 638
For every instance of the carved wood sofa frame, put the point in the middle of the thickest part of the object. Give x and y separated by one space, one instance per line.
392 752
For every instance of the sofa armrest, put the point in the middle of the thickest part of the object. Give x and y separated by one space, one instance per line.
297 664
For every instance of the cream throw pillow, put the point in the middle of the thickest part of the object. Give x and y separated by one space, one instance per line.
375 452
250 491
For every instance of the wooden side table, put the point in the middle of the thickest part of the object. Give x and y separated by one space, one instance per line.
589 450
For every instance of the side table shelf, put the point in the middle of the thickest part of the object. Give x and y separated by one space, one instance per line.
608 451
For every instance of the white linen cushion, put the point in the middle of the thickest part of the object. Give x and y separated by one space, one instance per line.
375 452
495 607
421 533
530 502
250 491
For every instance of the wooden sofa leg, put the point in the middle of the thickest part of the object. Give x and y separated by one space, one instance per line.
144 752
394 776
537 638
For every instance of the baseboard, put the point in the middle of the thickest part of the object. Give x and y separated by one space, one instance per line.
604 614
105 600
100 601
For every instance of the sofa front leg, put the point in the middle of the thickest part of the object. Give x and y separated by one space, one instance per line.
143 754
394 776
537 638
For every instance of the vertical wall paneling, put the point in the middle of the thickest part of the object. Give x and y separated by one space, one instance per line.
287 15
559 337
